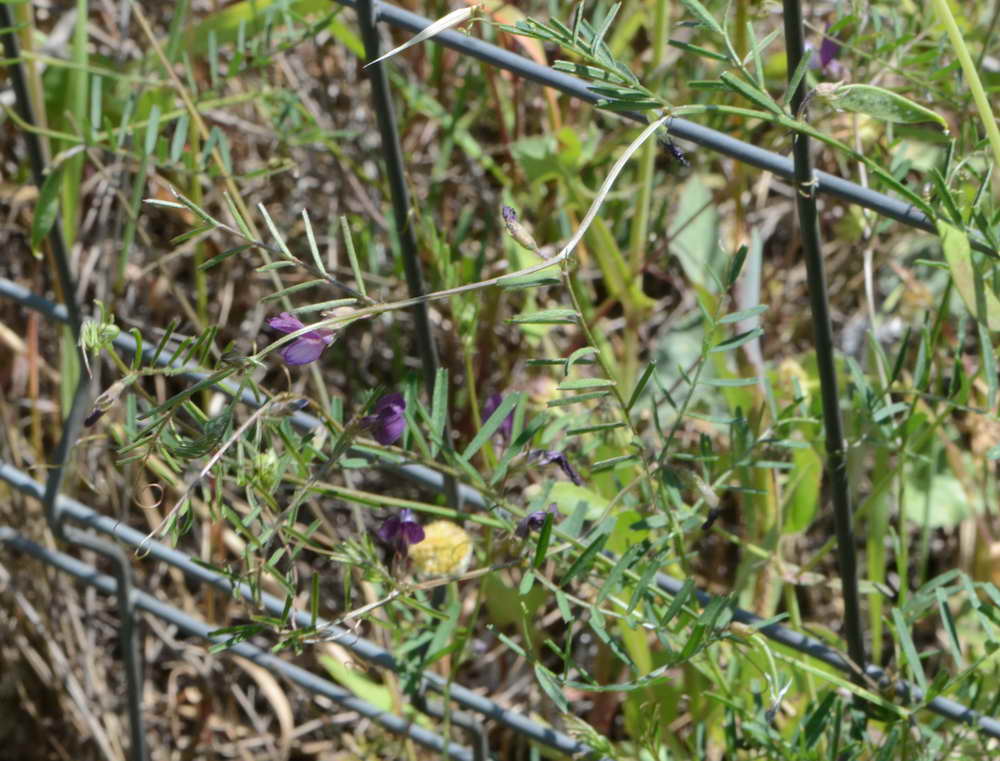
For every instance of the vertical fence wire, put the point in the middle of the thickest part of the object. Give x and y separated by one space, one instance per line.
74 419
836 449
402 214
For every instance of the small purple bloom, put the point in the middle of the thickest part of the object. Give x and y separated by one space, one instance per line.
534 521
400 531
828 50
544 457
307 347
387 422
490 406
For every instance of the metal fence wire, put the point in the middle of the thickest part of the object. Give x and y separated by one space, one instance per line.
68 517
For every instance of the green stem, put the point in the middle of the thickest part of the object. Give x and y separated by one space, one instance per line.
971 76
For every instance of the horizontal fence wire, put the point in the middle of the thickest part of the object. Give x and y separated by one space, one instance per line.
434 481
275 606
190 625
706 137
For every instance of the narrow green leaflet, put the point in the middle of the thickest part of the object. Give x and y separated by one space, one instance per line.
596 428
47 208
730 382
578 356
439 409
583 563
751 93
704 16
546 317
696 50
491 425
612 462
576 398
909 649
614 577
736 341
745 314
544 536
640 386
603 29
549 683
581 384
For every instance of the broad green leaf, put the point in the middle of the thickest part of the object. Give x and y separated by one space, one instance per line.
375 694
803 502
878 103
979 298
569 497
939 500
695 235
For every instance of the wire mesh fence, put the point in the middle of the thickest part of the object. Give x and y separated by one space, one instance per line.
67 516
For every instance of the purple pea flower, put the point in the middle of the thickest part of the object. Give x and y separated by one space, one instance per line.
534 521
400 531
828 50
545 456
490 406
387 422
307 347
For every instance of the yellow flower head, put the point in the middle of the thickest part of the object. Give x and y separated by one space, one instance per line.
445 550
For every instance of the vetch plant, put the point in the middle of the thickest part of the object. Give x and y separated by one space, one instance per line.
647 420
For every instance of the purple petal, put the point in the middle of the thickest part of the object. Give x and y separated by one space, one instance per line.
389 428
490 406
828 50
286 323
534 521
304 349
544 457
394 402
413 533
389 530
568 469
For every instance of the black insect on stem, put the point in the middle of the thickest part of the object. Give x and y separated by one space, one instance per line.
675 151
